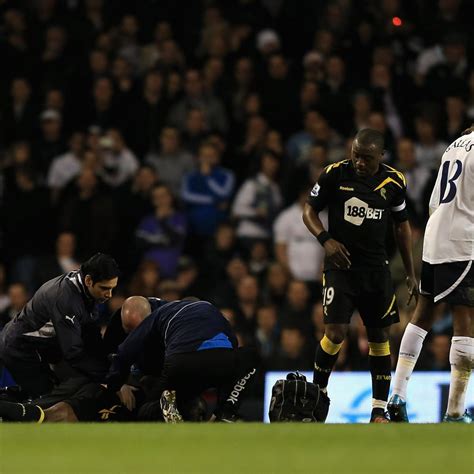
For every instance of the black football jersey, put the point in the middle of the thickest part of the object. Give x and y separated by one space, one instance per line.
359 209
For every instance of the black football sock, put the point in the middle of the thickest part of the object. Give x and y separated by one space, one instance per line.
380 368
324 360
21 412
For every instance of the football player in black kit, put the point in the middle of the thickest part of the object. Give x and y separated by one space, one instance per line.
360 193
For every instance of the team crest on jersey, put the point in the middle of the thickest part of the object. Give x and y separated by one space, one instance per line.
383 193
356 211
315 190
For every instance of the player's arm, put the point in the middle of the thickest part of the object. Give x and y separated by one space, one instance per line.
128 353
403 238
318 199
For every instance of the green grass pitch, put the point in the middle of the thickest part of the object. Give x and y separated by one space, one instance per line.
245 448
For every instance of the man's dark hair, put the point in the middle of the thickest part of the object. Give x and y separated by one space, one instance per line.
100 267
369 136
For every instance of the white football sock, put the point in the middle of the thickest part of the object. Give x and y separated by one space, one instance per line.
461 357
410 348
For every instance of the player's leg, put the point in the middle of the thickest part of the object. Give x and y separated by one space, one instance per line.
21 412
380 371
378 309
233 382
33 376
410 349
327 352
461 357
412 343
338 307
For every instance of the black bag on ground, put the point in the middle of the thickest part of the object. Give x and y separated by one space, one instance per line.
295 399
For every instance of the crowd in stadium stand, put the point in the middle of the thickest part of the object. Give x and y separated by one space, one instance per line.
183 137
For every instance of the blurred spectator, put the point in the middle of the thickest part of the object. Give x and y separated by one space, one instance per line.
259 259
127 40
296 312
275 287
124 82
146 279
362 105
56 66
299 143
172 57
18 296
224 292
252 146
65 167
195 130
456 118
17 158
258 201
336 93
416 176
119 163
428 147
189 279
219 252
152 108
102 109
386 92
90 215
151 52
283 113
171 163
242 84
247 303
292 353
195 97
169 290
133 203
295 247
160 236
449 75
266 333
50 143
62 261
378 121
20 114
26 225
206 193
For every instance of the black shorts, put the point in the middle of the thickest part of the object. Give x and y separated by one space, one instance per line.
451 282
95 403
369 291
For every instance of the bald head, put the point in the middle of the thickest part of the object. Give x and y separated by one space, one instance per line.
134 310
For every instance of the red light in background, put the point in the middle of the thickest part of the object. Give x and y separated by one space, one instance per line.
396 21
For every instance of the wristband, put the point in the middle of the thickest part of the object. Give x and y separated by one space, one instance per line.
323 237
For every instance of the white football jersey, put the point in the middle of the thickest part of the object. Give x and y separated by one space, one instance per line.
449 235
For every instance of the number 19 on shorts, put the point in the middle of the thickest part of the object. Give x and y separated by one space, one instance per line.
328 295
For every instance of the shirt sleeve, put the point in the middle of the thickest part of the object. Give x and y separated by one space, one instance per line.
398 208
129 353
319 196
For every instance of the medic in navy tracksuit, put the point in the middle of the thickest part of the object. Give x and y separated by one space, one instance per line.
199 352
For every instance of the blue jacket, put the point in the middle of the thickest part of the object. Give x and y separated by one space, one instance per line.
175 327
204 196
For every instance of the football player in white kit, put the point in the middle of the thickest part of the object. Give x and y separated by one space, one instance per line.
447 275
